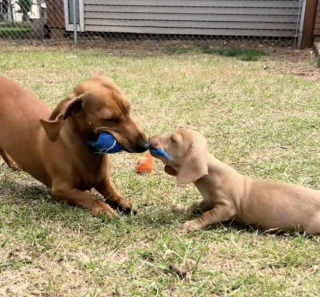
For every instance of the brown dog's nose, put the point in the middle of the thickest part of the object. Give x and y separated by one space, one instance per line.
142 146
141 143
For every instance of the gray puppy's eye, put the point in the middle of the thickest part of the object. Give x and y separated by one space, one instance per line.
173 139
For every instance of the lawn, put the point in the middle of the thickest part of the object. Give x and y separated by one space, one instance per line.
259 115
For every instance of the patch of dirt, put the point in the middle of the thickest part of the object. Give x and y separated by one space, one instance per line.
306 72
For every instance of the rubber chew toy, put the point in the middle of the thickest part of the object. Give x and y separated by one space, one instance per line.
105 144
160 153
145 164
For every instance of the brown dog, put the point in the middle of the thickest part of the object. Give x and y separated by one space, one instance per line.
228 195
52 145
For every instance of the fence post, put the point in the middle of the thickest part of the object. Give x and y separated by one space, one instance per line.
308 24
41 19
75 37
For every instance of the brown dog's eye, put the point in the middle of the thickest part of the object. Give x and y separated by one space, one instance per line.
114 121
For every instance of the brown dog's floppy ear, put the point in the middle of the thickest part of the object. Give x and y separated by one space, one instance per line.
75 106
52 127
195 164
67 106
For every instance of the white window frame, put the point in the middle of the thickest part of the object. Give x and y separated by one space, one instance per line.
69 27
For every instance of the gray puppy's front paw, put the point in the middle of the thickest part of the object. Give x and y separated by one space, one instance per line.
180 208
190 226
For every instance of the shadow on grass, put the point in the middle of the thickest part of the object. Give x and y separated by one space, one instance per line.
9 187
250 229
25 195
43 205
238 53
38 197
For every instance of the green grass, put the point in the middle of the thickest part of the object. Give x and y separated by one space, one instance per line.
179 50
15 32
262 122
239 53
242 54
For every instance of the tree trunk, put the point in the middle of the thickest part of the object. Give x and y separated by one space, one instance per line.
4 10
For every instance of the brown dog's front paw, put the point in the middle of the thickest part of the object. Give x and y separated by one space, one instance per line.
190 226
123 205
103 208
14 167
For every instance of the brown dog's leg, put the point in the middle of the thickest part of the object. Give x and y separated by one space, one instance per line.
220 213
115 200
11 164
82 199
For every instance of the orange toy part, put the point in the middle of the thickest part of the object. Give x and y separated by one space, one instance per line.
145 164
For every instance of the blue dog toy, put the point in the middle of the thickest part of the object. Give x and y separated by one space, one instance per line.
105 144
160 153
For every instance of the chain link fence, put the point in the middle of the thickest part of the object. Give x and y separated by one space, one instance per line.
152 23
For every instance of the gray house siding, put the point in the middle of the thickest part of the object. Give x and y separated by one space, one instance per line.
199 17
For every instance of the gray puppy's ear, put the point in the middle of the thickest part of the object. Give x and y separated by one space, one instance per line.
195 164
169 170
